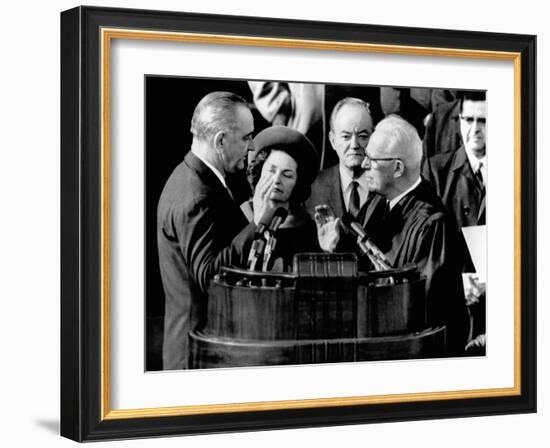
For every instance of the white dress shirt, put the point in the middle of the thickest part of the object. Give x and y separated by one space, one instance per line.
478 164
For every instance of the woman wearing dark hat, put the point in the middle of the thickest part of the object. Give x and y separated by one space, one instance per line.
280 173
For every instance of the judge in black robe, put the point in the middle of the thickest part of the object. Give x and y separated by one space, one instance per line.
419 231
418 228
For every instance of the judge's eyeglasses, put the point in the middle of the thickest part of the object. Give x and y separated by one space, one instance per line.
374 162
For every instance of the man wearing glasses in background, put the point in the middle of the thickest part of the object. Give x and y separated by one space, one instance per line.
460 179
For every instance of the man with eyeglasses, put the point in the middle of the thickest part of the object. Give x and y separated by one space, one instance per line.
418 229
460 179
343 187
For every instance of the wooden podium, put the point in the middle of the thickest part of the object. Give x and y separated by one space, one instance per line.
324 311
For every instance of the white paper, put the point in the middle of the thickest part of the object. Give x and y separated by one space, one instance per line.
476 239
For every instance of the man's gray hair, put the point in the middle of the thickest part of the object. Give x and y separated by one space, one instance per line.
402 139
348 101
215 113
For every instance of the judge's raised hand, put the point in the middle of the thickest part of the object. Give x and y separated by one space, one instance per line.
328 228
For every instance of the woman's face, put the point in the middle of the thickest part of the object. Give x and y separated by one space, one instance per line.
282 170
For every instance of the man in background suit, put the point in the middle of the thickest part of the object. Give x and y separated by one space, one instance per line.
199 225
459 178
343 187
306 107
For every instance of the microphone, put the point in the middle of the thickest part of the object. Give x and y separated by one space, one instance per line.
278 218
260 244
269 247
262 226
367 247
349 221
255 251
269 220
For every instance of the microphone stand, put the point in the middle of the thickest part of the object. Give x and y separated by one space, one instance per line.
375 255
268 251
255 252
367 247
265 240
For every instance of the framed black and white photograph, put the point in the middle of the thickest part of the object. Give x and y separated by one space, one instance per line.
277 224
313 300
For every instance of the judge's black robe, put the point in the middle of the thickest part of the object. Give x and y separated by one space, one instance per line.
419 230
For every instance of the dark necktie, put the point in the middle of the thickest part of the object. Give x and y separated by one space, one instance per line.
479 178
354 199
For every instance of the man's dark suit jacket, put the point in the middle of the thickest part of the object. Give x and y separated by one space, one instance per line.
452 176
453 179
199 229
327 189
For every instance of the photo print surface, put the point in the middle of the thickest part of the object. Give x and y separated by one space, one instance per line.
297 223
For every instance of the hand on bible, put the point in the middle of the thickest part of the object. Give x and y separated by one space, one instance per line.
328 228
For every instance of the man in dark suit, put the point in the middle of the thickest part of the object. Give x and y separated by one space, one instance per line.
343 187
199 225
459 177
